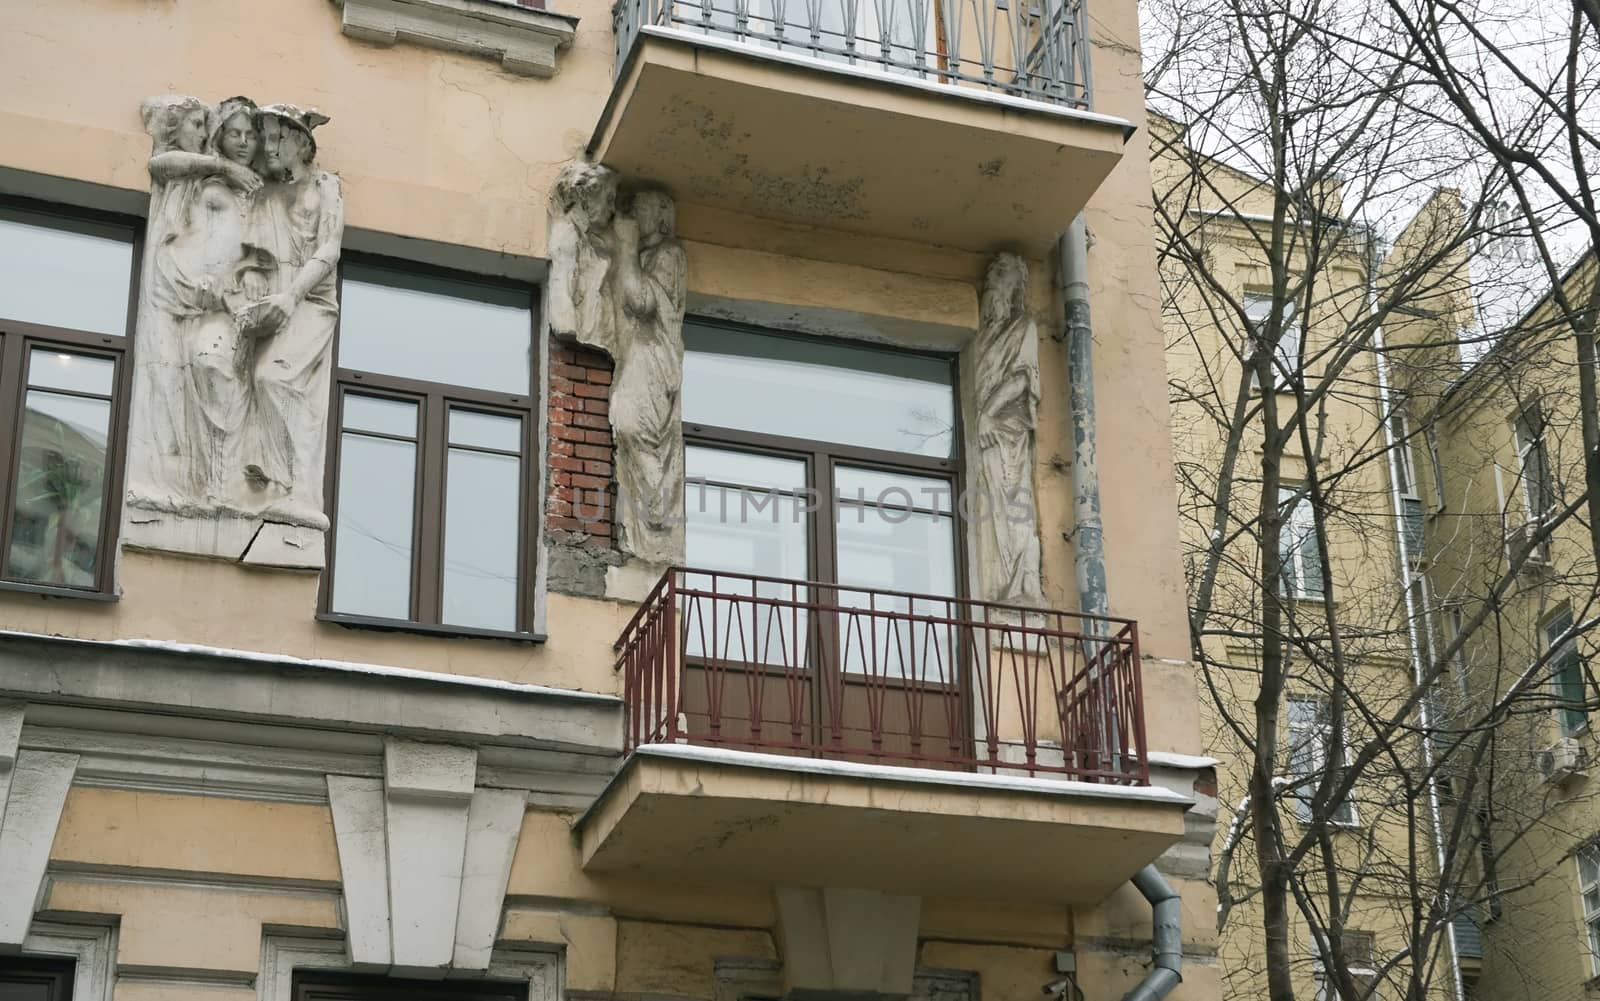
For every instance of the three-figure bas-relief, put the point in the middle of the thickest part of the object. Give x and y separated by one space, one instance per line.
1006 356
618 279
237 310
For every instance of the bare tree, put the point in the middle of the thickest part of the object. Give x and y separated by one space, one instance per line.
1323 204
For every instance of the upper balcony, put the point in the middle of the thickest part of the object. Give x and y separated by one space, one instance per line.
922 745
956 122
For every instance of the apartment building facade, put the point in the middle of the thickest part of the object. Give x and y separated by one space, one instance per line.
496 504
1343 567
1510 581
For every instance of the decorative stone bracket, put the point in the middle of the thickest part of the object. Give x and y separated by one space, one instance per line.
524 40
33 791
844 942
426 857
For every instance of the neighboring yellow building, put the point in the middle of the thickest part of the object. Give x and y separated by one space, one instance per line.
1219 219
1507 450
345 465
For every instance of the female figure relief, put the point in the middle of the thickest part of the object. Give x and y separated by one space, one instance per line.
1007 361
651 274
194 193
292 250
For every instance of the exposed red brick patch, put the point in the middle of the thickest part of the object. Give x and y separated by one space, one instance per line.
582 494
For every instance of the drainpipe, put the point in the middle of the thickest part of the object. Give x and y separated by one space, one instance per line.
1414 614
1089 568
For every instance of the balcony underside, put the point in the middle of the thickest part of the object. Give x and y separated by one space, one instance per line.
718 816
750 129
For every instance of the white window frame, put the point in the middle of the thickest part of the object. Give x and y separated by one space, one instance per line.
1588 858
1298 531
1319 972
1313 739
1557 655
1286 354
1530 441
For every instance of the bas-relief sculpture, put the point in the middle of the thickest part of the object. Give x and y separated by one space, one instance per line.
618 280
1006 356
236 315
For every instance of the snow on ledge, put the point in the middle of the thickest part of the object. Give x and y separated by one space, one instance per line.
340 666
1183 762
917 776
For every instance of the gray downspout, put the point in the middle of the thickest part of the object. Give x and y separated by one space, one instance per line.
1089 568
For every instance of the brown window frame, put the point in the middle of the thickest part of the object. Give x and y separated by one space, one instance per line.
17 338
821 458
434 402
320 985
56 975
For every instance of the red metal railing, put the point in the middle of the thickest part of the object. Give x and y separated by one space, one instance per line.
891 677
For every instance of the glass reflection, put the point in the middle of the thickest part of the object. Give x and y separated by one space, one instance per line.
60 490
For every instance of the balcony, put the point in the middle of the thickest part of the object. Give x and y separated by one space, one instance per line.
923 744
957 122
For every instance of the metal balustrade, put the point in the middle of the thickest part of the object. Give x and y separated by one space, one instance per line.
887 677
1035 49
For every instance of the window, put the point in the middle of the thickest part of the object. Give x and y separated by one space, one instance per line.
815 460
1405 473
1310 739
64 376
1286 359
1589 893
1360 959
432 431
1566 674
1431 436
1488 861
1455 620
1533 468
310 985
24 979
1298 549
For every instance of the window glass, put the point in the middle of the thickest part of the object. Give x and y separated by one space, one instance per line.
1310 740
1298 548
73 372
59 491
885 544
1566 671
753 523
374 529
435 329
818 390
483 492
379 415
65 272
1286 359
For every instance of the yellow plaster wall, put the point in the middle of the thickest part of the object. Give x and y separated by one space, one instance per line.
195 834
192 927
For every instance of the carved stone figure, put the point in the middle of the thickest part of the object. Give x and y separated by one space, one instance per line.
236 315
618 282
1007 361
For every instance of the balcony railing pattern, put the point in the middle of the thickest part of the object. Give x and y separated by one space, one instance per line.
1034 49
887 677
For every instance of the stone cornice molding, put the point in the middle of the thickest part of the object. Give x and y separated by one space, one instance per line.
525 40
246 687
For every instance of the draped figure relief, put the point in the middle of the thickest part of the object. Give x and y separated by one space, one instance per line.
1006 357
235 323
618 282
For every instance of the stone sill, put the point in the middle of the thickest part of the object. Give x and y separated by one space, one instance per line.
524 39
55 591
427 628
